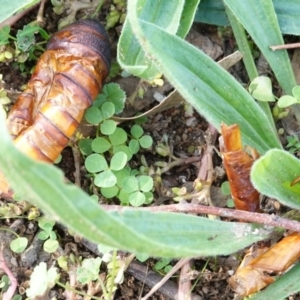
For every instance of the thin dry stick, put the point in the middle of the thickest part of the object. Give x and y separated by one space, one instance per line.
76 155
39 17
13 281
285 46
177 267
261 218
205 176
185 284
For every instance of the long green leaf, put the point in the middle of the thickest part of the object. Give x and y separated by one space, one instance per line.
260 20
157 234
210 89
213 12
174 16
9 7
187 17
272 175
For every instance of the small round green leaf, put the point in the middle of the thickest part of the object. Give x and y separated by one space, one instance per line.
50 246
130 184
108 127
46 224
93 115
119 137
137 199
100 145
123 148
43 235
124 197
19 244
116 95
109 192
105 179
134 146
296 92
225 188
118 161
261 89
145 183
108 110
286 101
85 146
95 163
149 197
136 131
146 141
121 174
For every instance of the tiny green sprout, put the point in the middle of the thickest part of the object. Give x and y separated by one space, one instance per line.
287 100
89 270
33 213
112 18
163 265
163 149
62 261
41 281
293 145
58 6
4 283
225 188
112 93
261 89
26 36
4 100
48 235
19 244
5 36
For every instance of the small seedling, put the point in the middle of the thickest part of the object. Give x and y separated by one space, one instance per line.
109 153
225 189
293 145
41 281
163 265
47 234
22 47
89 270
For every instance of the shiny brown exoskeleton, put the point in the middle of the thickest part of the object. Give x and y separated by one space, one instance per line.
66 80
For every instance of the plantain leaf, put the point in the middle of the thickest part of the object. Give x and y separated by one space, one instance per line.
10 7
262 24
272 175
187 17
178 19
210 89
213 12
157 234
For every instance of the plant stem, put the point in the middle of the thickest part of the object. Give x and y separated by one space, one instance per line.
261 218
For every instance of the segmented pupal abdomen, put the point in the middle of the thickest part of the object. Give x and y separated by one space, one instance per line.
66 80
